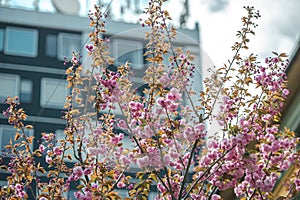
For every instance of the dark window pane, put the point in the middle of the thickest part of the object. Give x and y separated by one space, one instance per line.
26 91
51 46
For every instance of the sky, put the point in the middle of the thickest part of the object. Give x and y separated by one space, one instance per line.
278 29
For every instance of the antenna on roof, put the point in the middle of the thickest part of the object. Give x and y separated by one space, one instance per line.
185 14
68 7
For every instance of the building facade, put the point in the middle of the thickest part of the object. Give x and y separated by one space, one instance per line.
290 117
33 46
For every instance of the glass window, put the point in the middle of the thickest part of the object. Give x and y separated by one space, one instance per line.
53 93
51 46
68 43
9 86
3 183
26 91
123 193
166 57
70 194
60 135
131 51
152 195
129 143
21 41
8 132
116 111
1 39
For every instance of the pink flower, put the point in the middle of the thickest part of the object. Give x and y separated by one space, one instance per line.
147 131
79 195
161 188
77 171
18 187
215 197
285 92
164 79
297 183
48 159
57 151
42 148
266 117
89 47
124 160
275 60
174 94
117 138
200 127
122 124
143 162
95 151
87 171
130 187
121 185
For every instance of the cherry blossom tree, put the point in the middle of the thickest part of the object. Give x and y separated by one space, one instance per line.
170 141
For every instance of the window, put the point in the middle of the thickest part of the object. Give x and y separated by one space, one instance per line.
123 193
3 183
131 51
116 111
60 135
128 143
152 195
68 43
70 194
26 91
21 42
9 86
166 57
53 93
51 46
7 133
1 39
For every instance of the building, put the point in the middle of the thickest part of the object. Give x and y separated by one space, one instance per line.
32 49
290 115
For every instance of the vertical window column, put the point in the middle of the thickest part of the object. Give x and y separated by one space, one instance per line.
1 39
26 91
51 46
